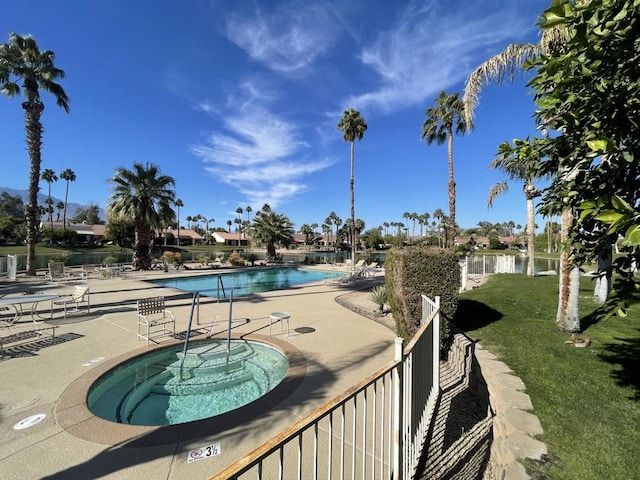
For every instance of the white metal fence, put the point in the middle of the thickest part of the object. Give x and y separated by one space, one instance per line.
485 265
374 430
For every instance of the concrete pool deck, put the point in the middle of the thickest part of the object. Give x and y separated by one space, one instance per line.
340 348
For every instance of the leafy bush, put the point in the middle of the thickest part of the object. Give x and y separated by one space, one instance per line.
235 259
203 258
171 257
413 271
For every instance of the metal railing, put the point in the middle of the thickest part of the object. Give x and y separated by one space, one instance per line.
374 430
485 265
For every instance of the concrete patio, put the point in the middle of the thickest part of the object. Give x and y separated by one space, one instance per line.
339 347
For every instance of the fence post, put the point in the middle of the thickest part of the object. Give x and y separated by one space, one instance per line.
397 461
436 345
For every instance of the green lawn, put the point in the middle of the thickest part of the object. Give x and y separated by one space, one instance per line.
588 399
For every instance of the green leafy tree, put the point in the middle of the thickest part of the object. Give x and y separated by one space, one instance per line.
68 176
11 205
445 118
89 215
586 91
145 196
352 126
26 70
271 229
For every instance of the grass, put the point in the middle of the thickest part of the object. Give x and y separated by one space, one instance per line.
587 399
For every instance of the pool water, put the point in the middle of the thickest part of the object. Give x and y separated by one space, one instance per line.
153 390
246 282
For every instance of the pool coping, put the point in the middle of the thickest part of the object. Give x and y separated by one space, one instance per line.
74 417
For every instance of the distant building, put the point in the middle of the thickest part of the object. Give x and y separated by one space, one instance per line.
85 233
232 239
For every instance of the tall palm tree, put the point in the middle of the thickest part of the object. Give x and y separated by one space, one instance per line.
272 229
238 220
505 65
26 70
229 223
49 176
352 126
248 210
519 165
438 214
69 176
329 221
145 196
442 120
178 204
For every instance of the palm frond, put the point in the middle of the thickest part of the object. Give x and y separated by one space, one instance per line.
496 69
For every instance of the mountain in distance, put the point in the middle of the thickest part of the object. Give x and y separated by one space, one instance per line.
71 207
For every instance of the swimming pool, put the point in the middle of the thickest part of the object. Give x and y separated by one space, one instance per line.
247 281
160 389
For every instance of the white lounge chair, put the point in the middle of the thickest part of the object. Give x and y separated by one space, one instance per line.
77 296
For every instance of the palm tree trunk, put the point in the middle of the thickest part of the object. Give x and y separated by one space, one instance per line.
33 110
64 215
142 251
50 208
567 318
452 194
353 208
531 233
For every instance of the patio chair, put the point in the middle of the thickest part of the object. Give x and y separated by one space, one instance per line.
55 272
77 296
154 319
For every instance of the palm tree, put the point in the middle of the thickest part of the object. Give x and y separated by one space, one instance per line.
69 176
60 208
442 120
326 230
496 69
520 166
329 221
248 210
229 223
49 176
25 70
353 127
239 219
145 196
307 231
178 204
272 229
438 214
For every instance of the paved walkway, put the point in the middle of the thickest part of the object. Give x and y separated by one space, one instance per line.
340 348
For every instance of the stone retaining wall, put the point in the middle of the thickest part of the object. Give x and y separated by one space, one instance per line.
503 394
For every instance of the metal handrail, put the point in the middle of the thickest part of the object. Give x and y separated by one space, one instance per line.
221 285
196 295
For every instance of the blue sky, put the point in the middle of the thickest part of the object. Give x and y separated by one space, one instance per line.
239 102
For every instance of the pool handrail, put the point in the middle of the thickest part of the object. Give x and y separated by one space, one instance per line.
196 295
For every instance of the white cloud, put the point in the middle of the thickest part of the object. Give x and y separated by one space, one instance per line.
287 40
428 50
259 154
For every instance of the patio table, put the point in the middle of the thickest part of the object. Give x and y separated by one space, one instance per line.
33 300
